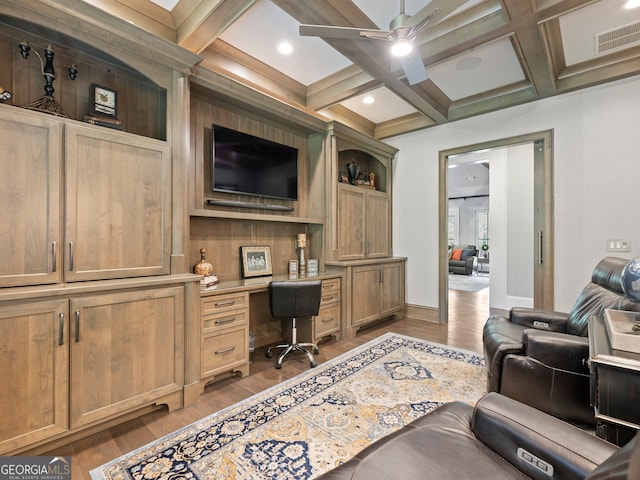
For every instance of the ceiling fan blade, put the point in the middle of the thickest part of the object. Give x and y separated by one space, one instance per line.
433 13
340 32
413 67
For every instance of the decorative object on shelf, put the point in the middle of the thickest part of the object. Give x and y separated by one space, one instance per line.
312 266
103 101
4 95
485 249
203 267
343 177
47 103
103 121
631 280
353 170
256 261
372 180
301 243
293 267
209 281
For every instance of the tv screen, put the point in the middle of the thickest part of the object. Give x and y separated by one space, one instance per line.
250 165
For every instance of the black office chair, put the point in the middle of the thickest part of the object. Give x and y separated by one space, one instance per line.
295 300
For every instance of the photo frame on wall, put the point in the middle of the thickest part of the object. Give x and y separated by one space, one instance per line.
256 261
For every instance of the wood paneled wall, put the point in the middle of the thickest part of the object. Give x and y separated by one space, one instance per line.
142 105
206 110
223 238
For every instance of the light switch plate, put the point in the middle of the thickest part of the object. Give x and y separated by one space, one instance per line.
618 246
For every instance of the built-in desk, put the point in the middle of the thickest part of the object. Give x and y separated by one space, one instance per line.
234 308
615 386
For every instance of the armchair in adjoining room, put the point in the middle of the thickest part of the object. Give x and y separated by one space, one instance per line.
541 357
461 259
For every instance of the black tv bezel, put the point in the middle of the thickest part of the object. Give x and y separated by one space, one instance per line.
260 140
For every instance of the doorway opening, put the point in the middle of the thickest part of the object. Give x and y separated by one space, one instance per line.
532 231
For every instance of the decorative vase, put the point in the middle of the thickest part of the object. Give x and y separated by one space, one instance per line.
353 171
203 267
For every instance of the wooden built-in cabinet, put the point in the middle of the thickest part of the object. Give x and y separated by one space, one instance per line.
363 223
30 193
118 205
375 290
224 335
328 322
72 362
97 303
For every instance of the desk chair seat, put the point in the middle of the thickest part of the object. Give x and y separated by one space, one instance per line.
295 299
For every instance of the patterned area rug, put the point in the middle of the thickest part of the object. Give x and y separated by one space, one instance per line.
315 421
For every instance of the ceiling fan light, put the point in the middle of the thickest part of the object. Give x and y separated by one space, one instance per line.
401 49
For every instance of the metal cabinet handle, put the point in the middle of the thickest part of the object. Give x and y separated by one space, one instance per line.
328 298
224 321
54 256
540 252
70 256
226 350
77 319
61 337
327 320
225 304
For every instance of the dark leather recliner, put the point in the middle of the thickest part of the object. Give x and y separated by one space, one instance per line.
540 357
498 439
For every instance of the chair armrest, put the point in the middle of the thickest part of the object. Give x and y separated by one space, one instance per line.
557 350
539 445
539 319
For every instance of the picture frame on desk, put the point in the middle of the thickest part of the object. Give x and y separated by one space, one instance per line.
256 261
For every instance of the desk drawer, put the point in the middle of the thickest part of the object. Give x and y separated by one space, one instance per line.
224 351
219 321
327 321
213 304
330 291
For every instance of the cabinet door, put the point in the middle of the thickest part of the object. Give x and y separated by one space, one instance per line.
30 151
34 361
391 289
118 205
351 218
377 225
365 294
126 351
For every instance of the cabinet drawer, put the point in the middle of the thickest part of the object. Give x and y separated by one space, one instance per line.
224 320
330 291
328 320
224 351
214 304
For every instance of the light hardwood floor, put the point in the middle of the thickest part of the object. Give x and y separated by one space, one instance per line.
467 313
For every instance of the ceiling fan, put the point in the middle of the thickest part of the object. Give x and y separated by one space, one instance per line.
402 29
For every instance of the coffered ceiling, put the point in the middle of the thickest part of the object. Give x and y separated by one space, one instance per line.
485 55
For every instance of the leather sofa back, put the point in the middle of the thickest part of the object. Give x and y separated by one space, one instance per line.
604 291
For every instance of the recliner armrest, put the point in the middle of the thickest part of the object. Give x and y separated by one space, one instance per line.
539 319
557 350
539 445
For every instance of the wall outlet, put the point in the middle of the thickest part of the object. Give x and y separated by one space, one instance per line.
618 246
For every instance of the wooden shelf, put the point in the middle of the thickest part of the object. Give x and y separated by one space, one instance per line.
254 216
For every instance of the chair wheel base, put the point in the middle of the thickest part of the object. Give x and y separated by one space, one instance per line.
278 366
313 364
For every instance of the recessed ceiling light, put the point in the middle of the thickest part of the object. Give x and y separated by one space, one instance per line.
632 4
285 48
401 49
468 63
368 100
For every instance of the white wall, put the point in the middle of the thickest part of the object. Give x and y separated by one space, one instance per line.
596 169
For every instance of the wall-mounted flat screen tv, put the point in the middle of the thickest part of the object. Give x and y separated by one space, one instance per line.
250 165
